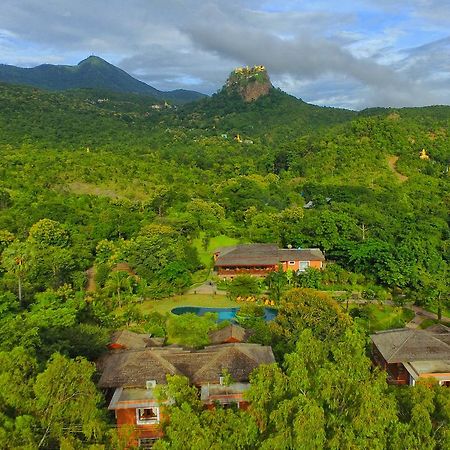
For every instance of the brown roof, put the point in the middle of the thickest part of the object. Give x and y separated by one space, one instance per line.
130 340
265 255
132 368
301 254
238 359
224 334
406 345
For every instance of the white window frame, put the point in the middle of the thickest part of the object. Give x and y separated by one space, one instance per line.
147 421
303 265
291 263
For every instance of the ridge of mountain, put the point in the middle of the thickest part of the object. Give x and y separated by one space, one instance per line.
92 72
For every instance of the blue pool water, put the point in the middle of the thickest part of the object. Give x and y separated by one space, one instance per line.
223 313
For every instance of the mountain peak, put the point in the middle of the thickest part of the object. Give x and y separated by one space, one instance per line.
249 82
93 60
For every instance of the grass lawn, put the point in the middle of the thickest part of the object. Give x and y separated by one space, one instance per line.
167 304
429 322
383 317
205 256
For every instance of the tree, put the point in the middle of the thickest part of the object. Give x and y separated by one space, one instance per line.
243 286
300 309
6 238
208 215
118 282
277 283
190 426
49 232
67 400
16 260
5 199
327 398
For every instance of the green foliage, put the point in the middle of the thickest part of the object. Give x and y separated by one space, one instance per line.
117 185
304 308
321 380
66 398
190 330
48 232
191 427
243 286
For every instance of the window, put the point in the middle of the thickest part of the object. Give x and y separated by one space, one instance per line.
292 263
303 265
147 415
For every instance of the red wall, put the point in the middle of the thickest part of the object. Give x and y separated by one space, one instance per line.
127 417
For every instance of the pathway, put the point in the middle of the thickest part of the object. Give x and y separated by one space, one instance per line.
90 286
392 161
208 287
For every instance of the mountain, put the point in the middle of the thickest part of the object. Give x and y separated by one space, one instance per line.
92 72
249 105
250 83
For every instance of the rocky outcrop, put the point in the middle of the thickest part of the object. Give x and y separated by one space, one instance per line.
250 83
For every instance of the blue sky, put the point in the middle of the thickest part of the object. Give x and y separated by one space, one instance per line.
351 54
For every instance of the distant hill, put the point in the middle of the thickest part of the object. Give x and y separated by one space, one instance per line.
92 72
256 108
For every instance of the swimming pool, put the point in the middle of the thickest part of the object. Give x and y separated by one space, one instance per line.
223 313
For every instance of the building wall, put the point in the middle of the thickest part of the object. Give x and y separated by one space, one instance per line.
264 270
397 374
296 266
255 271
127 418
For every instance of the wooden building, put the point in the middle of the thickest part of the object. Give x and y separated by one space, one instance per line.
129 378
261 259
408 355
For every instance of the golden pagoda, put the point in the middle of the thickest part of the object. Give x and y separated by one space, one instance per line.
424 155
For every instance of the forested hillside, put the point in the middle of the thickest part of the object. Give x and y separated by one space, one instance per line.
92 72
95 179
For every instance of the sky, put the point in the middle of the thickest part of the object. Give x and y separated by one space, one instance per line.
347 53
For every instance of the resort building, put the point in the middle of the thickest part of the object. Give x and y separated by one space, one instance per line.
261 259
130 375
408 355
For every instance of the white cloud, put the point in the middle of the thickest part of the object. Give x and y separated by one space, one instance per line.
352 54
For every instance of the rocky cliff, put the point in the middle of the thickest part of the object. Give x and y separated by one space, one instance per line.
249 82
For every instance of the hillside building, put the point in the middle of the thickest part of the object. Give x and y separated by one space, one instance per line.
409 355
261 259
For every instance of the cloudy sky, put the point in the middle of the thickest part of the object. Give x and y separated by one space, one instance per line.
346 53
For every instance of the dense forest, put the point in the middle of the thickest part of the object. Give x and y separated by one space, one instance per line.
107 183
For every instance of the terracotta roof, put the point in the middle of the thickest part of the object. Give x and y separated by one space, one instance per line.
132 368
265 255
229 332
406 345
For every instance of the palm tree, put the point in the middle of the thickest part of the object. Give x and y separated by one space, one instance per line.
15 259
118 282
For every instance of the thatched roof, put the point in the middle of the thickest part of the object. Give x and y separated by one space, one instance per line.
230 332
264 255
129 340
407 345
133 368
239 360
301 254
